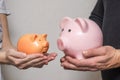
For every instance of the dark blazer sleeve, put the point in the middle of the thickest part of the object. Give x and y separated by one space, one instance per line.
98 13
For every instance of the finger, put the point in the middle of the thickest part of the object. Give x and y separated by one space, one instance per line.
34 61
29 58
76 62
16 61
51 56
40 64
80 63
95 62
94 52
62 59
69 66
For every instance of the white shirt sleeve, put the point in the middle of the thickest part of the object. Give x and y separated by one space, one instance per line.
3 8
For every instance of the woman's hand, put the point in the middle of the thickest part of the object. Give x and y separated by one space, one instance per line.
36 60
23 61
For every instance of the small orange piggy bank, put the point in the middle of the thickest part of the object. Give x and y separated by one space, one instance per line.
33 43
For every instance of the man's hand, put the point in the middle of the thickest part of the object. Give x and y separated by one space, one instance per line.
102 58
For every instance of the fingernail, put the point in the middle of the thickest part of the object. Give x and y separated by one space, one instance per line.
62 64
52 57
46 63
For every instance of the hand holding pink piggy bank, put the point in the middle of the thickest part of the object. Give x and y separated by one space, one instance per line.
78 35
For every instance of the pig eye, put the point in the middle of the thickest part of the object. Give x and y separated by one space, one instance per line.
69 30
62 29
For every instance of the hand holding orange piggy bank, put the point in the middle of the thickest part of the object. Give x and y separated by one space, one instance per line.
33 43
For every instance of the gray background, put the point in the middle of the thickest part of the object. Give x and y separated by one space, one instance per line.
43 16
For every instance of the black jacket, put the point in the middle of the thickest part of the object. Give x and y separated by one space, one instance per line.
106 14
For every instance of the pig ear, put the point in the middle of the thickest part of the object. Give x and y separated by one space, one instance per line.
44 35
82 23
65 21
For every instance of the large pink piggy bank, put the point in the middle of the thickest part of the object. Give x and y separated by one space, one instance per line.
78 35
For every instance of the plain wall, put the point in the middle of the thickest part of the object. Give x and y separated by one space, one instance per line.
43 16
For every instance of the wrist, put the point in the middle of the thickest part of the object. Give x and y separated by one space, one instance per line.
3 57
117 57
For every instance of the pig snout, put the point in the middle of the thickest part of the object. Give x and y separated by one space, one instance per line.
60 44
